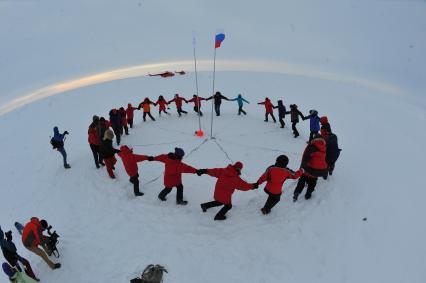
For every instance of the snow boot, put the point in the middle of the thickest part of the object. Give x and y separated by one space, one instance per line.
220 217
67 166
265 211
57 265
308 195
295 197
181 202
139 194
203 207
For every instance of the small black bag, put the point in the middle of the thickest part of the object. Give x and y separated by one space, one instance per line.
151 274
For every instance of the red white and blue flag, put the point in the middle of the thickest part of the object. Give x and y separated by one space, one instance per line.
218 40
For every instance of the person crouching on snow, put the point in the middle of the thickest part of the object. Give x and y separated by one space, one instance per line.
275 177
174 167
228 180
130 162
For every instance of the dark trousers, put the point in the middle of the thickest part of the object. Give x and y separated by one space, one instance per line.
217 109
240 110
14 263
159 112
135 181
282 121
130 122
179 193
198 110
180 111
149 114
331 167
295 131
272 200
126 129
272 115
311 181
64 154
117 133
222 212
311 135
96 154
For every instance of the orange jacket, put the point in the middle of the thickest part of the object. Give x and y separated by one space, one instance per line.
32 235
275 178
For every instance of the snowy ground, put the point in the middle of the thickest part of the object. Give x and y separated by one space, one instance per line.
108 235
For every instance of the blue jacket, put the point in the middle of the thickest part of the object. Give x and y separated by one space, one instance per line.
240 100
57 136
314 123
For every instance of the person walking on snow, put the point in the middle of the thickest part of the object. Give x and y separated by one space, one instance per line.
269 107
130 113
281 112
58 143
108 152
332 148
294 115
197 103
130 162
162 105
314 123
228 180
115 120
11 255
178 101
240 100
94 141
275 177
123 115
103 125
314 166
217 101
174 168
15 275
32 238
146 106
325 125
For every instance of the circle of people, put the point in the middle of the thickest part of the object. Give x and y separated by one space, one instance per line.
318 160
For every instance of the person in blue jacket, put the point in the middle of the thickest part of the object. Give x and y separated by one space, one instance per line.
58 143
240 100
314 121
281 112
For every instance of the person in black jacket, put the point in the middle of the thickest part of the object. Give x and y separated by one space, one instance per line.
281 112
294 114
217 101
332 148
11 255
108 152
115 120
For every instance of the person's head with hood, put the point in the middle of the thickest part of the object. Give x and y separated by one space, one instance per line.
217 93
324 120
95 119
55 131
238 166
146 100
293 106
280 102
313 112
122 109
129 105
161 98
108 135
266 98
194 96
281 161
239 95
178 154
176 95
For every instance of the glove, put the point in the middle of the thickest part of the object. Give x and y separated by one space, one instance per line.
201 172
150 158
255 185
66 133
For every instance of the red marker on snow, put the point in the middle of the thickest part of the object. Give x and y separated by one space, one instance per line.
199 133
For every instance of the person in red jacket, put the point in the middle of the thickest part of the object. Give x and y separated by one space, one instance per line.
130 162
162 105
275 177
269 107
314 165
228 180
32 238
130 114
197 103
174 167
94 141
178 101
123 115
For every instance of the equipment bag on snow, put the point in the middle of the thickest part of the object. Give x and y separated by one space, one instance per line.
56 144
151 274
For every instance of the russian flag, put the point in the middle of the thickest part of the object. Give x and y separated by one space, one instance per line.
218 40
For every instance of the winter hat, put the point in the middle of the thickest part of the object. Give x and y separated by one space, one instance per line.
95 118
43 223
324 120
179 152
238 165
239 95
8 269
282 161
108 135
313 112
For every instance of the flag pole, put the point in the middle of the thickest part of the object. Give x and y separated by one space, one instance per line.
196 85
214 73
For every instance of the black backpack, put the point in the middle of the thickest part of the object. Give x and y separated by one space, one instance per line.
151 274
56 144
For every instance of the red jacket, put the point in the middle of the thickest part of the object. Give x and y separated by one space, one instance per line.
174 170
32 234
197 101
227 182
313 160
130 111
268 106
275 177
178 101
130 160
162 104
93 136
